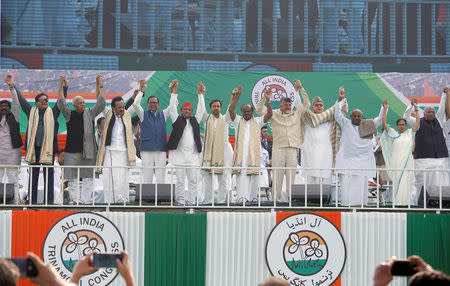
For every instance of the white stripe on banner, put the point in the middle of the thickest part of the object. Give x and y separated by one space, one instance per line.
5 233
235 250
132 227
370 239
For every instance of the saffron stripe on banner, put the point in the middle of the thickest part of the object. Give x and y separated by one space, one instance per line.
235 252
371 238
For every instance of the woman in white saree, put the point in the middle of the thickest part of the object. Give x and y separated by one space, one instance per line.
397 149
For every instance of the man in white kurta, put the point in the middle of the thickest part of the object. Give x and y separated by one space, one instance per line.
247 148
186 153
355 153
320 141
211 159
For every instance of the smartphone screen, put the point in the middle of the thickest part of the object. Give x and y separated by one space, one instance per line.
105 260
26 267
403 268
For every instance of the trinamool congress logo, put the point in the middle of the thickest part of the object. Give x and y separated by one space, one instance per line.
75 236
306 249
280 87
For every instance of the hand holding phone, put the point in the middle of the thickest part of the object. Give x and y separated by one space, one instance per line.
26 266
403 267
106 260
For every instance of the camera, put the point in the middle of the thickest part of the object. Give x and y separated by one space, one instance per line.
106 260
403 267
26 266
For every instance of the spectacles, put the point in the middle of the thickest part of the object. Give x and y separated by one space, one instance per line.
152 102
43 100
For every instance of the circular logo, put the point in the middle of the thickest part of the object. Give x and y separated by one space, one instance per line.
75 236
306 249
280 87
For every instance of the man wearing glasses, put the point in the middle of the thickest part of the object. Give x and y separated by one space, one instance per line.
153 144
40 142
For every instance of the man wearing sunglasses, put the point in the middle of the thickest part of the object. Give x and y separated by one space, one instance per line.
40 142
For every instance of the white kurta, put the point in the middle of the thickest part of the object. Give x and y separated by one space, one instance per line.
247 185
354 153
397 152
317 152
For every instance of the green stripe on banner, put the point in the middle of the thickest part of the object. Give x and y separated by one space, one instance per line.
175 249
429 237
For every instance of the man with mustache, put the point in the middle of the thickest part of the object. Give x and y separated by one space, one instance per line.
10 140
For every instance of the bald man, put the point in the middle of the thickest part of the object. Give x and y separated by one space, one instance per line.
355 152
430 150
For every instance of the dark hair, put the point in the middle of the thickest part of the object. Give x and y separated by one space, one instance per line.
285 99
264 127
99 121
215 100
400 119
248 105
116 99
9 273
135 121
5 101
36 98
433 277
152 97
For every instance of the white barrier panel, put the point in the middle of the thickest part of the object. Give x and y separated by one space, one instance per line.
371 238
235 248
5 233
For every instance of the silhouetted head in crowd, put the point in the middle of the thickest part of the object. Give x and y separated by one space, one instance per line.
9 273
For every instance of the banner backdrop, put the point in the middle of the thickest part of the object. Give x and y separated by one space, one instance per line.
228 248
365 91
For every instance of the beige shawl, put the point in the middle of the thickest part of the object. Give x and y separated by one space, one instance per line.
214 148
46 156
254 152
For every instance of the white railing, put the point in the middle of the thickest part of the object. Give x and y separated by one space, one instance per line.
303 195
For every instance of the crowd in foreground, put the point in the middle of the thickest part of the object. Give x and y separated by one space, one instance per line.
326 137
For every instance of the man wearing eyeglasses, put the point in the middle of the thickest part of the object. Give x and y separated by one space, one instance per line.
81 148
40 142
153 145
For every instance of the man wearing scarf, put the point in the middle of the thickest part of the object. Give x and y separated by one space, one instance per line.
320 140
153 145
355 152
217 152
116 149
286 124
247 146
185 149
81 147
430 150
40 142
10 140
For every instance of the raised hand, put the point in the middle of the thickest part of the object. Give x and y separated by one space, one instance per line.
298 85
63 80
414 101
201 88
9 81
267 94
99 80
341 93
385 104
142 85
173 86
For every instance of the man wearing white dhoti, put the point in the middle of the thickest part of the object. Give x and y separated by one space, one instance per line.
320 140
153 143
185 147
397 152
81 148
217 152
355 152
10 140
430 150
116 149
247 146
286 138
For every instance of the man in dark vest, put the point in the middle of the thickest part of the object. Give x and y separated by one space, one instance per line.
10 140
153 145
185 148
81 148
41 142
430 151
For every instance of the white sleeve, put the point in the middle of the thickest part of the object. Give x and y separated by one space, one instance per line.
440 114
173 107
173 104
407 116
137 107
379 119
201 109
338 115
